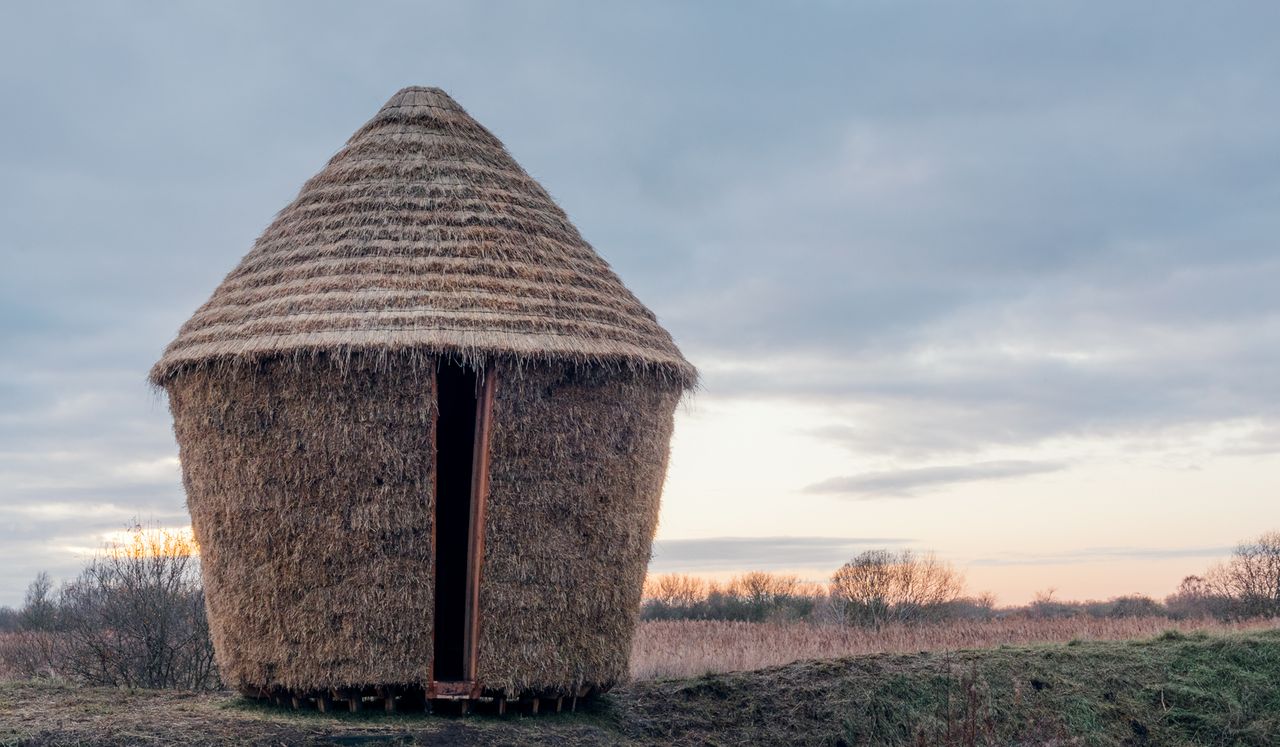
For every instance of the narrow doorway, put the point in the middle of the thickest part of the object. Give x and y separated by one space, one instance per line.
464 402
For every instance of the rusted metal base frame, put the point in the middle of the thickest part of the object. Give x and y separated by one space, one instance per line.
440 697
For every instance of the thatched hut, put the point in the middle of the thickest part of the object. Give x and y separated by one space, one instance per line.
424 430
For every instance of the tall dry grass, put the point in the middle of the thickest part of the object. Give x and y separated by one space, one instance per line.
688 648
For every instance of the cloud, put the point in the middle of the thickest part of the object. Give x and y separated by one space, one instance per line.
1258 441
953 230
905 483
1102 555
707 554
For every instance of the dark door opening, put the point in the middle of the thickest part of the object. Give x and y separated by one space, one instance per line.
456 449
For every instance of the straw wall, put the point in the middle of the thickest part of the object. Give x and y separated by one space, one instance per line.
310 495
310 490
578 461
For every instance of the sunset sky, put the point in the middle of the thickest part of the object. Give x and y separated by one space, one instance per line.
997 280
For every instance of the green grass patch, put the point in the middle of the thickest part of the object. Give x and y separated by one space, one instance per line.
1174 689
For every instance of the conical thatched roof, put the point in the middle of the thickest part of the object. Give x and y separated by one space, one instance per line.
424 234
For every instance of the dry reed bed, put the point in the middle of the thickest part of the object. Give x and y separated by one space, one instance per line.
688 648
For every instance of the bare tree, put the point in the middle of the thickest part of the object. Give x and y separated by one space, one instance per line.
1198 597
764 596
880 585
10 620
754 596
762 589
39 612
135 616
1251 578
676 590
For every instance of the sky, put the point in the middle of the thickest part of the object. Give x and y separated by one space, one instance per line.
993 280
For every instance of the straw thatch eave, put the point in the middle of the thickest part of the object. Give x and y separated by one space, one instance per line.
422 235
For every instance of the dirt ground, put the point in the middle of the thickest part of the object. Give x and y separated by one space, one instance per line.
1174 689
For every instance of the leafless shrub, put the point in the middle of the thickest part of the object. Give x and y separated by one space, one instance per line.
880 586
29 654
1250 578
675 590
1197 598
39 610
751 597
134 617
10 620
30 647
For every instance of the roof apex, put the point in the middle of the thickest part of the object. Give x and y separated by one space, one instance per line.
423 234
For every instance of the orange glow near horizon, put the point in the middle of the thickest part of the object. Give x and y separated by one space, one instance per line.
152 542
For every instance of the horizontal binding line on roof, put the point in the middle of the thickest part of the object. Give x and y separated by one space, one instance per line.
369 284
444 190
414 265
428 136
311 343
376 141
406 229
440 198
425 241
293 309
611 346
388 218
616 349
314 218
425 278
413 154
461 126
493 247
407 315
337 191
471 344
434 190
422 105
371 295
360 204
422 330
451 163
306 234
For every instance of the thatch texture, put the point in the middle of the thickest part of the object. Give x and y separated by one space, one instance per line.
423 233
304 405
579 459
310 495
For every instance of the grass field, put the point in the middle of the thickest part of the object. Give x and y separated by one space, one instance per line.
1175 689
688 648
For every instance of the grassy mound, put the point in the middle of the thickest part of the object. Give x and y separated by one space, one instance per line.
1175 689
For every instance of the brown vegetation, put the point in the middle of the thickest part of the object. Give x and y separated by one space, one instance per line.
689 648
1246 584
1175 690
795 620
134 617
880 585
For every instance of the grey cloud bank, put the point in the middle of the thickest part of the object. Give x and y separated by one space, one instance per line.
1102 555
709 554
957 228
904 483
